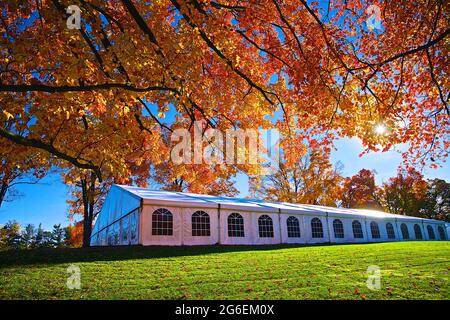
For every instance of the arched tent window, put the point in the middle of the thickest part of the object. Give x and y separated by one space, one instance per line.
265 226
405 232
200 224
357 229
316 228
338 228
235 225
375 230
431 233
293 227
441 232
417 232
390 230
162 222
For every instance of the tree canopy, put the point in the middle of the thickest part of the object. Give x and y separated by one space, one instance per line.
231 63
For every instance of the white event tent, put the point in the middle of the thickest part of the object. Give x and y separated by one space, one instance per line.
132 216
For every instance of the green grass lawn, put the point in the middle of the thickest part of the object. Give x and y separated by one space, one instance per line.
409 270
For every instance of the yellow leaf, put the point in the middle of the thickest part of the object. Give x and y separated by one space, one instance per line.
8 115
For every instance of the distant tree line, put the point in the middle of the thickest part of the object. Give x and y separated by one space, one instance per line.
314 180
13 236
408 193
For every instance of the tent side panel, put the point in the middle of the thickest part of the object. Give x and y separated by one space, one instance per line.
117 208
255 226
347 230
292 236
150 236
248 232
317 236
199 236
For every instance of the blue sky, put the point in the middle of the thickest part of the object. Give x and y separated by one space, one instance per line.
46 202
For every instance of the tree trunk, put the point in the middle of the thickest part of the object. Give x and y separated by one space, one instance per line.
3 189
88 190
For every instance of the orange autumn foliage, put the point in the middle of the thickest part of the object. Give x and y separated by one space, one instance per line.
405 193
75 234
321 70
360 191
312 180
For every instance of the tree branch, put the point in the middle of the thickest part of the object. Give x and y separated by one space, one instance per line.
67 88
29 142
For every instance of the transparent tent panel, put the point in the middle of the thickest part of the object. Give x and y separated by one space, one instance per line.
134 224
118 203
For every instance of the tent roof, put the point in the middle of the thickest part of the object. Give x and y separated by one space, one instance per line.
182 199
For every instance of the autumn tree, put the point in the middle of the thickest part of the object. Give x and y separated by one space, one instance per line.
437 200
10 235
361 191
87 192
74 234
216 60
206 179
405 193
313 180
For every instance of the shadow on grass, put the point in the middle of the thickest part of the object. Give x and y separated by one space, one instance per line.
10 258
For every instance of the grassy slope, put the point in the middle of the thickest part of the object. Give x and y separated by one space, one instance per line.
410 270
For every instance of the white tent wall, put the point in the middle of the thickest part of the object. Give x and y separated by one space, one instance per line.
423 230
423 227
368 229
398 233
438 234
383 229
428 234
436 237
347 224
444 233
126 219
410 227
188 238
147 238
382 226
248 232
254 226
308 229
348 230
284 231
412 231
